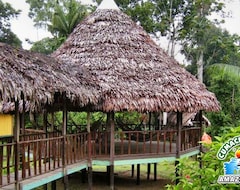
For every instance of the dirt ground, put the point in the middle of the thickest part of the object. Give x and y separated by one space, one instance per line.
122 180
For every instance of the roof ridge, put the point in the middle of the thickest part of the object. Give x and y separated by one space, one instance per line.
108 4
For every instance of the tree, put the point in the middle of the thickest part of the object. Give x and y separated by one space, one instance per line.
178 20
47 45
60 19
227 89
195 30
220 47
6 35
66 17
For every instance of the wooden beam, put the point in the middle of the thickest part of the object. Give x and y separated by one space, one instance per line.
90 180
148 171
132 170
138 174
112 149
178 144
64 133
54 185
84 172
22 127
200 135
155 171
23 116
16 141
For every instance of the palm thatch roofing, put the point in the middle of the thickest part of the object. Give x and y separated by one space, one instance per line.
133 72
38 78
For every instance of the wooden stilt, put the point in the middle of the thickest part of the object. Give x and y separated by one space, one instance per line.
133 170
108 175
90 180
16 140
22 149
45 187
64 133
148 171
54 185
84 174
155 171
178 144
112 149
200 135
138 174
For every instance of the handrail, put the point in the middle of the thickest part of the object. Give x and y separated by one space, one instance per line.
42 154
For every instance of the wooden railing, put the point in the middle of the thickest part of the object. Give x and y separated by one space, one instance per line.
144 142
40 153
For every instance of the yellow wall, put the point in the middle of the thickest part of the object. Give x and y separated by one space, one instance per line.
6 125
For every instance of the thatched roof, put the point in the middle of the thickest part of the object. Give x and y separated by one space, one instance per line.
39 78
132 70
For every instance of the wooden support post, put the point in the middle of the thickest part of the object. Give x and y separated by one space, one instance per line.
47 159
155 171
64 133
178 144
84 172
112 149
23 116
22 127
138 174
45 187
148 171
16 141
54 185
133 170
108 175
149 121
52 121
200 135
90 180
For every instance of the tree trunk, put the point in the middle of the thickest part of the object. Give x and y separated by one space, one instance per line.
200 67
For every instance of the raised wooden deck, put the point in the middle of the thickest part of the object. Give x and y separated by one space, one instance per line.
44 158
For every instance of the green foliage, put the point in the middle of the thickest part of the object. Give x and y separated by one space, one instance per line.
205 178
59 17
47 45
227 90
6 14
65 17
220 47
127 118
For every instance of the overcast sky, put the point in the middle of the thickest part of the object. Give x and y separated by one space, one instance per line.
24 29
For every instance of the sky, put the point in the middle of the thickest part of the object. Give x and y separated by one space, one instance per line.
24 28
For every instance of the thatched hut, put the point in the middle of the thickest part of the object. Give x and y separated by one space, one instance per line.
132 70
109 63
39 79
